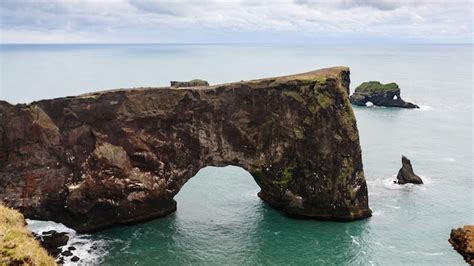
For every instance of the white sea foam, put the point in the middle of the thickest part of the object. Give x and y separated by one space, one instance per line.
427 253
390 183
354 240
377 213
369 104
449 159
424 108
88 250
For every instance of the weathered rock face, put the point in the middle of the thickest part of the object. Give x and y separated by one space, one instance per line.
462 240
379 94
406 173
121 156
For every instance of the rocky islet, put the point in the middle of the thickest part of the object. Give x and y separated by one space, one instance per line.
376 93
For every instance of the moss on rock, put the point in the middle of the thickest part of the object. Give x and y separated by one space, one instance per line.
376 86
295 95
299 132
324 100
286 176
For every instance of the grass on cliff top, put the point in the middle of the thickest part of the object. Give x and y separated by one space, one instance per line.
17 245
376 86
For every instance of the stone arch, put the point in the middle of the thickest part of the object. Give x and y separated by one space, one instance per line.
120 156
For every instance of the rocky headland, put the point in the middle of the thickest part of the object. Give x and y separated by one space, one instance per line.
120 156
376 93
462 240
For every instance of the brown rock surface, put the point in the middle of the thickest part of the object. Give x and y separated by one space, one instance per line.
462 239
120 156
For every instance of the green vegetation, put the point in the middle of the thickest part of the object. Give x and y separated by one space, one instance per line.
307 121
324 100
376 86
346 170
295 95
286 176
312 109
319 80
299 132
17 245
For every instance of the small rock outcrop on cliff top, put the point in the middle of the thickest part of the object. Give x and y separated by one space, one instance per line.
120 156
406 173
191 83
462 240
379 94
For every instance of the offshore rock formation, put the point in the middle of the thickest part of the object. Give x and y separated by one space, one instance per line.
406 173
462 240
120 156
379 94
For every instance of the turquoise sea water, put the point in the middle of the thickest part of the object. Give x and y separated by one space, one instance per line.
220 220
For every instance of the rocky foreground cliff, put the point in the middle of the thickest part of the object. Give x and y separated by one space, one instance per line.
120 156
17 244
462 240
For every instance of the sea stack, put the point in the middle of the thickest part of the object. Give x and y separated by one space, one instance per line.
120 156
462 240
406 173
376 93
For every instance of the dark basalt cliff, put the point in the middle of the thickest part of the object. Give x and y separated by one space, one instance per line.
120 156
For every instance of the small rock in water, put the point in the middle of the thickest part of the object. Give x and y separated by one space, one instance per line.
66 253
75 258
71 248
406 173
52 241
50 232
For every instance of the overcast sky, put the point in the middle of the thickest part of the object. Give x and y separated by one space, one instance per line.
236 21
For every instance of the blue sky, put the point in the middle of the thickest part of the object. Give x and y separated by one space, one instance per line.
236 21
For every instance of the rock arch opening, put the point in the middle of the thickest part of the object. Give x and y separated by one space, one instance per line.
218 194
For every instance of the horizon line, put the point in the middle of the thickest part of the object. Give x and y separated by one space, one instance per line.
233 43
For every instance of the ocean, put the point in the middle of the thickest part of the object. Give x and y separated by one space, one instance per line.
220 220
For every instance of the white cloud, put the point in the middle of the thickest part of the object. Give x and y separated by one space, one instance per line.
212 20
